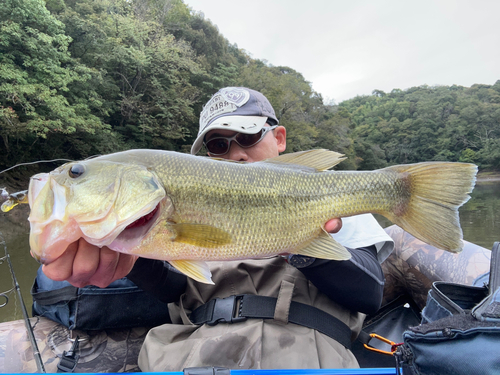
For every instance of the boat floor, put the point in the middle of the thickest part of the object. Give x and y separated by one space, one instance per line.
100 351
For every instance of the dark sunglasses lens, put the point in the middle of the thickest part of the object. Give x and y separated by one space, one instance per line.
218 146
247 140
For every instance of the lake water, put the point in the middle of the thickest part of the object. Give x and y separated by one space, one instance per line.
480 219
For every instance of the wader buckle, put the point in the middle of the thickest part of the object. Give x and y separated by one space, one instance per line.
226 310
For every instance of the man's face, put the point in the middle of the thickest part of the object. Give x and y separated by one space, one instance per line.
270 146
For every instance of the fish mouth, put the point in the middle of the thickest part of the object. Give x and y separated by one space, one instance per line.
144 220
134 233
128 239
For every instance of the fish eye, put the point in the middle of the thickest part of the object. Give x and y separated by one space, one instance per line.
76 170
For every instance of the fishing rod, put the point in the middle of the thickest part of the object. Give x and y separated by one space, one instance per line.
29 328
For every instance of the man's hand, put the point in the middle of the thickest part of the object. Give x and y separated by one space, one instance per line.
333 225
85 264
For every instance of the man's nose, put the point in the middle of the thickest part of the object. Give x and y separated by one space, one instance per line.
237 153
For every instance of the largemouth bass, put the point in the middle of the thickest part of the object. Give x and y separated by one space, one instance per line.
191 209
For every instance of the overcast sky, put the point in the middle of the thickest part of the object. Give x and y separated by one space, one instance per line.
351 47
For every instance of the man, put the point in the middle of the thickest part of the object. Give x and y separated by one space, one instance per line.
294 303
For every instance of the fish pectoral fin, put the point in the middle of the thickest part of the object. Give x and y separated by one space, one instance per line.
325 247
319 160
199 235
196 269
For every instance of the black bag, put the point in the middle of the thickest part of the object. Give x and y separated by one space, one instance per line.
390 322
121 305
460 330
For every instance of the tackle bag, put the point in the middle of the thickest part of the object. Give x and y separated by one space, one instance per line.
120 305
460 329
390 321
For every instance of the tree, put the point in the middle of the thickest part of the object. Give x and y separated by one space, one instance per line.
145 72
36 74
427 123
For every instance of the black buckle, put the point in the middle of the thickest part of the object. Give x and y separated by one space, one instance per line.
227 310
69 359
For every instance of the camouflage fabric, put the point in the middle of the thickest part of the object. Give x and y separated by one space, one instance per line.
414 265
100 351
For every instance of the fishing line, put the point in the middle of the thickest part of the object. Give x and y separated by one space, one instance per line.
29 328
44 161
34 162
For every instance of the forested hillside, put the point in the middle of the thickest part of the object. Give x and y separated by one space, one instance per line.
86 77
427 123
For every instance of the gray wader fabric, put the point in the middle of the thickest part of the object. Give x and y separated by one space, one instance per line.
254 343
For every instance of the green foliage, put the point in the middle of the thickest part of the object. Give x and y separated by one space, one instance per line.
86 77
36 77
145 72
467 156
429 123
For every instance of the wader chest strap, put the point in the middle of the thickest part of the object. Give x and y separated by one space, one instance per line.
241 307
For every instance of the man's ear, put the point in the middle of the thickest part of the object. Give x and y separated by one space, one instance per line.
280 135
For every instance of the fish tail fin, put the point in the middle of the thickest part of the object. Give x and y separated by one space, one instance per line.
437 190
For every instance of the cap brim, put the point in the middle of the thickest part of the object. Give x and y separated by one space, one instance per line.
240 124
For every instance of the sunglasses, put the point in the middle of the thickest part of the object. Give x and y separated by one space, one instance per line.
220 145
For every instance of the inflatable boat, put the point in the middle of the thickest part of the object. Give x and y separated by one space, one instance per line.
410 271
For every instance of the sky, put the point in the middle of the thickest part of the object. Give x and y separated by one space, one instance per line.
352 47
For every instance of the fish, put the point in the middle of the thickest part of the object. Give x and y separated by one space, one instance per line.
189 210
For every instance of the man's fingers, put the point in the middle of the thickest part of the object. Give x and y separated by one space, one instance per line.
333 225
125 265
62 268
85 264
108 263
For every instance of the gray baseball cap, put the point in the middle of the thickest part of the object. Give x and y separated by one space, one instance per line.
235 108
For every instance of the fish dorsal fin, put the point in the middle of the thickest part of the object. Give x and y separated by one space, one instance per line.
196 269
320 160
325 247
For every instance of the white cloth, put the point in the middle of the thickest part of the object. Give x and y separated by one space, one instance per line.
364 230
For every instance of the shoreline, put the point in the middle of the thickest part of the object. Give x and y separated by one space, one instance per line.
488 177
